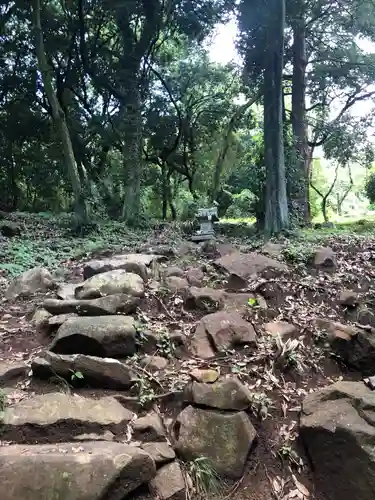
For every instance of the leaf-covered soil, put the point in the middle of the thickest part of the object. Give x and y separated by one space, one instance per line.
277 467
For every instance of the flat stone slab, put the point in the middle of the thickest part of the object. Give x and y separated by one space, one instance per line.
110 283
132 262
228 394
93 471
109 305
106 373
103 336
58 416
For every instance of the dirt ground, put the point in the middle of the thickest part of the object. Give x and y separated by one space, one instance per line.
278 467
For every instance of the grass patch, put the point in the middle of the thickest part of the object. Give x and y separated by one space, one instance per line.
206 480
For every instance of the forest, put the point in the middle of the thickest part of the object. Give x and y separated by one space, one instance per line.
115 109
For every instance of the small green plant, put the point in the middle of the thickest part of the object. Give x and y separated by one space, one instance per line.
205 478
165 344
252 302
145 391
76 375
287 454
3 403
261 405
288 354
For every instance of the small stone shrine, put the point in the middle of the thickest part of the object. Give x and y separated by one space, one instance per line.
206 217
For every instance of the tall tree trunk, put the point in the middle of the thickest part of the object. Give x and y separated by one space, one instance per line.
276 203
58 117
132 154
299 118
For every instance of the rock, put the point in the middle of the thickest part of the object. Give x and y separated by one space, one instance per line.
273 249
281 328
9 228
132 263
228 394
176 284
169 483
111 304
338 430
223 438
66 291
103 336
240 267
161 452
62 415
35 280
10 371
56 321
173 271
336 331
205 376
355 346
94 471
325 258
154 363
40 318
149 428
106 373
109 283
195 276
223 330
348 298
365 316
206 299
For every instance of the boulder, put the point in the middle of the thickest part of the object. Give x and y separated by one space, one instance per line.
103 336
149 428
274 250
195 276
223 438
173 271
66 291
355 346
338 430
132 263
35 280
228 394
240 267
106 373
169 483
111 304
281 328
176 284
325 258
348 298
62 415
206 299
154 363
109 283
9 228
161 452
40 319
206 376
10 371
222 330
56 321
94 471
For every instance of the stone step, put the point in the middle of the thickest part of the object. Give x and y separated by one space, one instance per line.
73 471
58 417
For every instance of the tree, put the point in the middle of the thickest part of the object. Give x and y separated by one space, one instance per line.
262 26
58 117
